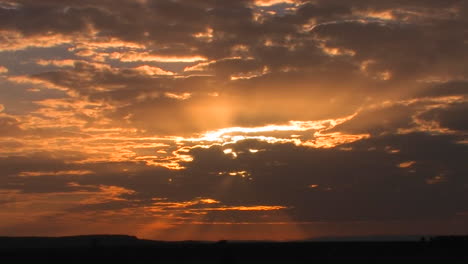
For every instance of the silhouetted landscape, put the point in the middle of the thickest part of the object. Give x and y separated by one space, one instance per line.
130 249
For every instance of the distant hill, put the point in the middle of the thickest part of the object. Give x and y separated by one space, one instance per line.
374 238
130 249
92 241
71 241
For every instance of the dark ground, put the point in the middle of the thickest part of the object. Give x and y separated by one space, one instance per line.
126 249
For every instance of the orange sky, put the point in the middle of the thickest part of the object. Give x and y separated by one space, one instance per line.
202 119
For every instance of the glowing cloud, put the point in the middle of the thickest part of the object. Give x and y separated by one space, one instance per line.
265 133
150 70
17 41
206 36
54 173
406 164
247 208
183 96
132 56
273 2
3 69
58 63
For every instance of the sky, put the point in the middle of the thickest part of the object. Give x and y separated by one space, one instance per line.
223 119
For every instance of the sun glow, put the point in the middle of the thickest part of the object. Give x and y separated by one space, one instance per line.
316 130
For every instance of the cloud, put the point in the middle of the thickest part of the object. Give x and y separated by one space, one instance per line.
387 168
14 40
362 169
452 116
58 63
153 70
58 173
273 2
9 126
134 56
441 89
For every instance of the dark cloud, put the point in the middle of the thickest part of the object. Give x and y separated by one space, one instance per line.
323 11
363 183
365 180
453 116
455 88
380 120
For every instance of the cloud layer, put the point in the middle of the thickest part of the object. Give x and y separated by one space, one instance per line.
228 119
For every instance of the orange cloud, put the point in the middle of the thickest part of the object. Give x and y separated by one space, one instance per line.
150 70
132 56
30 206
54 173
274 2
3 69
183 96
17 41
316 128
107 193
58 63
247 208
29 80
406 164
331 140
206 36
